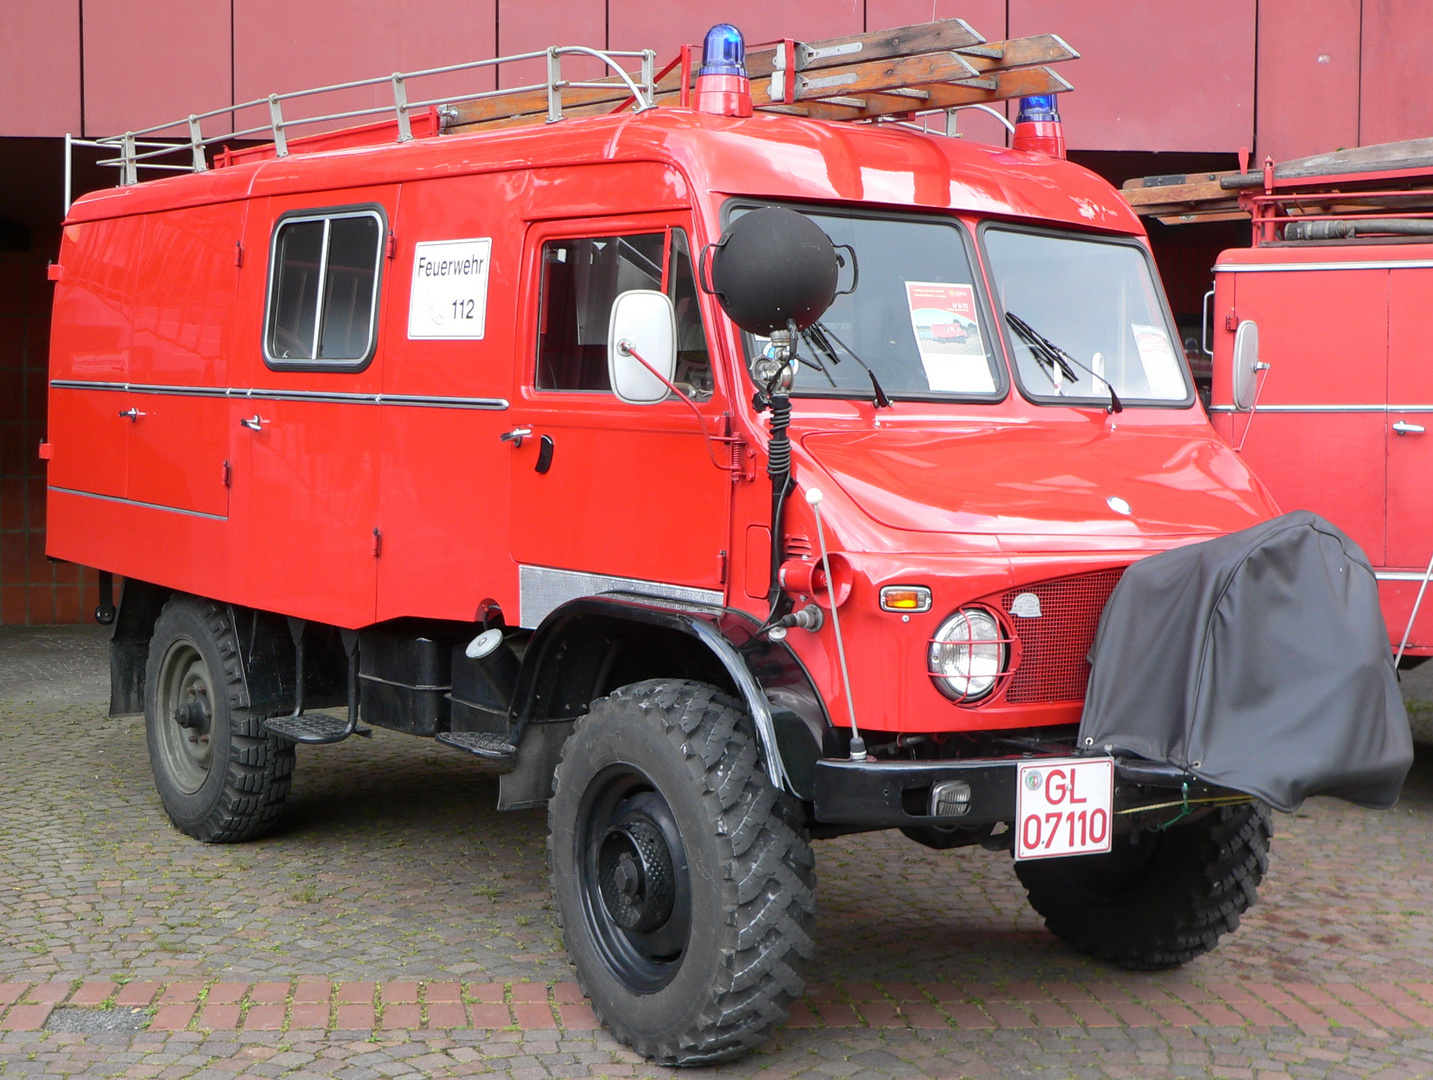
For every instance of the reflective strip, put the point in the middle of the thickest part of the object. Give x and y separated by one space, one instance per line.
136 502
542 590
423 401
1271 268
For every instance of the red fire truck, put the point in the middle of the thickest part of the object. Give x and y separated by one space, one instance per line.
1328 393
588 429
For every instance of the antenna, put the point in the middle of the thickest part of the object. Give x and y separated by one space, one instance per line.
858 744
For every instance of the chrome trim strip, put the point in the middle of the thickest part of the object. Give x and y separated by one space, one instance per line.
542 590
1271 268
1399 575
1329 408
136 502
335 397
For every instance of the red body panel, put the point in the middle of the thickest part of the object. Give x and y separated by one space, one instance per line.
1344 330
386 491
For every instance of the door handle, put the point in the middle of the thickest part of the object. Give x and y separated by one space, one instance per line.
516 435
1407 429
132 414
253 423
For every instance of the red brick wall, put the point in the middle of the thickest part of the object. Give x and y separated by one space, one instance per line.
33 590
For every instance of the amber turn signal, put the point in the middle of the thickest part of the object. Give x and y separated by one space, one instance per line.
905 598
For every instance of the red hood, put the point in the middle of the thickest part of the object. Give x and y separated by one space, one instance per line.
1052 479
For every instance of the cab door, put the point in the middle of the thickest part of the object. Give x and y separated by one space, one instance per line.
1410 452
608 496
1316 437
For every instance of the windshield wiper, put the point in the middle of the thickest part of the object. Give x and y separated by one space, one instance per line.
820 336
1047 352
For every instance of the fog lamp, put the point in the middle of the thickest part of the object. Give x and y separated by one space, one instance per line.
968 655
950 798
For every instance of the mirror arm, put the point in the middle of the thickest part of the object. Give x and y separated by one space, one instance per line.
626 348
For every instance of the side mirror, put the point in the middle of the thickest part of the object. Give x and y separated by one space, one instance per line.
643 324
1246 365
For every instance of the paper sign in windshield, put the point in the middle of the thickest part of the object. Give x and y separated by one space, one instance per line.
947 330
1161 369
449 297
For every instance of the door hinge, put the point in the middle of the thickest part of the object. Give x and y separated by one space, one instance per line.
47 451
238 253
377 542
1231 321
227 473
721 566
391 247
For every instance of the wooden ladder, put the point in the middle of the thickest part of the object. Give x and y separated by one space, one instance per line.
896 74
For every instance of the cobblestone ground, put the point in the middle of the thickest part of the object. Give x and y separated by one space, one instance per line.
397 925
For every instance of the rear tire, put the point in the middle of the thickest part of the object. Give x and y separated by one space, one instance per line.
221 777
693 949
1162 902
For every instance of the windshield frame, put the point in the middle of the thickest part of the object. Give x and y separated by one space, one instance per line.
1011 343
882 213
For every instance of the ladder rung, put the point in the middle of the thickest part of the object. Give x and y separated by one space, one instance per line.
880 44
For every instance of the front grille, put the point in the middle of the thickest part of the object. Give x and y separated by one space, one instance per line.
1054 644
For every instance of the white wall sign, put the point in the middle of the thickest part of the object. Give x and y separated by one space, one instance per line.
449 298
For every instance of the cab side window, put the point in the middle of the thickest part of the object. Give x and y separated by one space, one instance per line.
323 290
581 278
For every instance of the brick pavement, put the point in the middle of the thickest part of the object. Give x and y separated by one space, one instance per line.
398 925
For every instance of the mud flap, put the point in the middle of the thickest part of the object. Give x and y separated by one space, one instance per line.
1258 662
529 785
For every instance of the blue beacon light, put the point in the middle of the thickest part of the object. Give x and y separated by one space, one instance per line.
1038 128
723 51
723 88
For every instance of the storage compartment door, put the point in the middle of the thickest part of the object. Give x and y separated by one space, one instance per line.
1410 452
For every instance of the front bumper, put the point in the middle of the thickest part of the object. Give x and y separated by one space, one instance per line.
893 794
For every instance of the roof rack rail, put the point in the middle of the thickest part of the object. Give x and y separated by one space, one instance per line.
899 75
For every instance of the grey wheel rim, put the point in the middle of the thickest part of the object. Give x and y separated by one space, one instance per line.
184 715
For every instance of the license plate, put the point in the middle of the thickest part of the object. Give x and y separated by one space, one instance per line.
1064 806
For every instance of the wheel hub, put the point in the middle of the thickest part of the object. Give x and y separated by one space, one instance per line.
635 876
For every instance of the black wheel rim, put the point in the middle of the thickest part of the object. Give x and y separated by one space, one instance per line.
633 878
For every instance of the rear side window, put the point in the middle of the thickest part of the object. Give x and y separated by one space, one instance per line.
323 289
582 277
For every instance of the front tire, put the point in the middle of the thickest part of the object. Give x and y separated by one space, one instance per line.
683 877
1161 902
221 777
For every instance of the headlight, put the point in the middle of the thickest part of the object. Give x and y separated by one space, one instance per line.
968 655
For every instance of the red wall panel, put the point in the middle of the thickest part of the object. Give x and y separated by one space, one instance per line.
1397 98
281 46
527 27
637 24
190 75
1308 78
1160 75
40 68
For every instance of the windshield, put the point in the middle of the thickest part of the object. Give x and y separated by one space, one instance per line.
1092 300
914 316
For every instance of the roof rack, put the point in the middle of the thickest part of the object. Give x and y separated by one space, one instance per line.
1364 191
896 75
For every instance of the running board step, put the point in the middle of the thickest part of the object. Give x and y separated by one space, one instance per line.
492 749
312 728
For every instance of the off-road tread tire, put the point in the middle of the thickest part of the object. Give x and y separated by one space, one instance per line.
769 883
259 767
1206 877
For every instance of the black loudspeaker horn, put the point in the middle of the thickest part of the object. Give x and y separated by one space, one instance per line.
772 266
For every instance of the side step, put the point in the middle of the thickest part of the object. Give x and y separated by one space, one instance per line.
313 728
494 750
